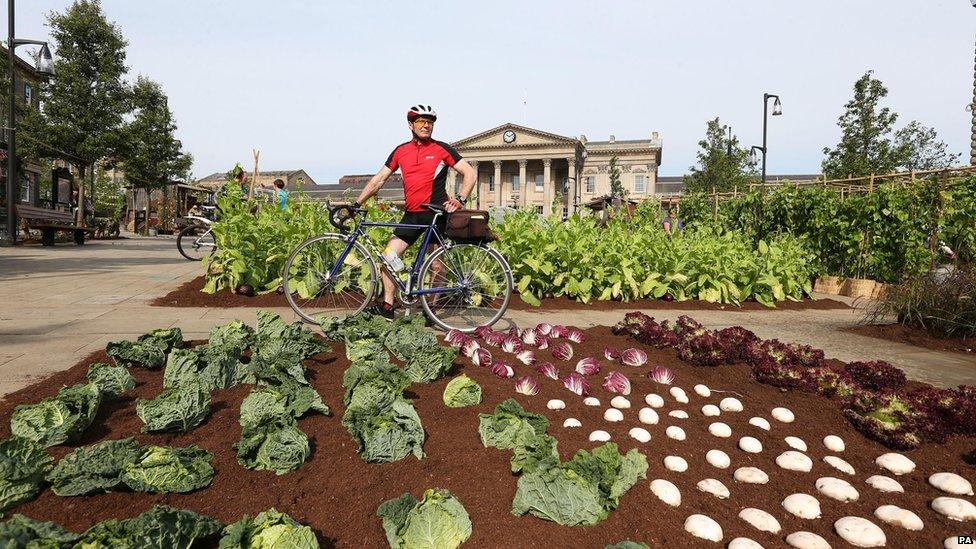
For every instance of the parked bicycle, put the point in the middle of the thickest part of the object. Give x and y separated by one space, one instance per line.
460 285
196 240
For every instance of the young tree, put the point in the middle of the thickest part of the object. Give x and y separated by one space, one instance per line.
152 156
865 146
717 169
616 188
85 102
919 148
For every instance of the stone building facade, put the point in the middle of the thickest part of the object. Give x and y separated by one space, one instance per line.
528 168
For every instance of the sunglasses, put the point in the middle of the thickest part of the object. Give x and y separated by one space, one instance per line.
423 122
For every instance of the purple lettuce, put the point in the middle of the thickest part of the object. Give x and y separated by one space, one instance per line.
876 375
481 357
577 384
633 357
588 366
502 369
615 382
562 350
527 386
547 369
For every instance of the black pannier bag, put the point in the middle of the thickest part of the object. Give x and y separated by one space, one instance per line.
469 226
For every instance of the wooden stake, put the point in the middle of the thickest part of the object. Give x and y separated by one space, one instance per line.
254 178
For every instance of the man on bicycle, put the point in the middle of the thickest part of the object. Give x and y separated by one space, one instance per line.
423 163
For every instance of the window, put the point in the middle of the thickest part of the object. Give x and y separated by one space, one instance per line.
491 183
538 183
565 212
590 184
639 184
515 183
25 188
28 94
538 210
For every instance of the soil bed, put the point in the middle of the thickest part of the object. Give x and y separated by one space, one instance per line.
337 494
189 294
901 333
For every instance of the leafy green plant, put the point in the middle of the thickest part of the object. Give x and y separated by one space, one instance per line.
462 391
93 469
438 520
59 419
161 469
180 408
942 304
23 464
269 530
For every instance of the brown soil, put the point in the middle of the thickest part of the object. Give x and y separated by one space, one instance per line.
189 294
337 494
915 336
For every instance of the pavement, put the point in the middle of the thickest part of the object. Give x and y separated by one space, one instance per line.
59 304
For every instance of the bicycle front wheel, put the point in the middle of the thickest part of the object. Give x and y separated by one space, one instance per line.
313 290
195 242
465 286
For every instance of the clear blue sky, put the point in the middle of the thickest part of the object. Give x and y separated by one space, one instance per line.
324 85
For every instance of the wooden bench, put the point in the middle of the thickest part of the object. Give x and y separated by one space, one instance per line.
50 222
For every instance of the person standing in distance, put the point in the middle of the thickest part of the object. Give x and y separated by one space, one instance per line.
423 162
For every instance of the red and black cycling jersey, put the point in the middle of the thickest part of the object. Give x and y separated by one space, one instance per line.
423 165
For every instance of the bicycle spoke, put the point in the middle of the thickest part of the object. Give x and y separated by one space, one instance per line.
313 292
480 287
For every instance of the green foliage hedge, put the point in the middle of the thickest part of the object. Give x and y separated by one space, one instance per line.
882 235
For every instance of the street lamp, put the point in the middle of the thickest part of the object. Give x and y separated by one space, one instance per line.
777 110
45 66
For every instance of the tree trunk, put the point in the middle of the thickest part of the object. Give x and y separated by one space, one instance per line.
92 176
80 213
145 226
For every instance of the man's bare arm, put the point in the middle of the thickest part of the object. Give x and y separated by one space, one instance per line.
375 184
470 177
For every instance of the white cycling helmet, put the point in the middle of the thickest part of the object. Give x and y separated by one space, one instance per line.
417 111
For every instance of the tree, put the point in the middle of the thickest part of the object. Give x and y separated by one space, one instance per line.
920 148
85 102
717 168
152 156
865 146
616 188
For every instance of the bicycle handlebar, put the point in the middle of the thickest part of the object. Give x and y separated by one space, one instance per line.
339 216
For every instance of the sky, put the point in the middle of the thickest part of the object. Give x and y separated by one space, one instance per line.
324 86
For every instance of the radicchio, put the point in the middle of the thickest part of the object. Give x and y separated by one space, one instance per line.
575 335
495 339
526 357
530 337
469 347
588 366
547 369
544 328
527 386
633 357
502 369
512 344
577 384
662 375
562 350
483 331
455 338
615 382
481 357
542 342
558 331
610 353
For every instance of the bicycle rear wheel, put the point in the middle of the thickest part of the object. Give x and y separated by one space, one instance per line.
196 242
312 291
474 283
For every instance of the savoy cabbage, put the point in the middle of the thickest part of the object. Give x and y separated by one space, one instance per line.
129 353
23 464
462 391
179 408
160 469
21 531
58 419
438 520
275 444
271 529
112 379
93 469
508 424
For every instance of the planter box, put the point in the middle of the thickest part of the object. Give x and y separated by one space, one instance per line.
861 287
828 285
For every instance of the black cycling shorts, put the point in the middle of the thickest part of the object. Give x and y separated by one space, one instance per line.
418 218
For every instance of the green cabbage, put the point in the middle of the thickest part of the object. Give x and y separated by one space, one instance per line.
129 353
271 529
58 419
509 422
175 409
355 327
293 338
386 434
166 339
214 367
21 531
462 391
364 349
580 491
159 469
112 380
407 337
534 451
23 464
92 469
276 444
428 364
285 399
627 544
161 527
233 337
438 520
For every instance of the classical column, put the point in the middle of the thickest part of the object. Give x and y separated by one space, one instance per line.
546 186
498 182
452 182
523 188
477 183
571 192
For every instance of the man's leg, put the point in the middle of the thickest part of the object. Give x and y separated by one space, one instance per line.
389 286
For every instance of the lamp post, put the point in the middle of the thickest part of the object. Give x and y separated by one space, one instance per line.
777 110
45 66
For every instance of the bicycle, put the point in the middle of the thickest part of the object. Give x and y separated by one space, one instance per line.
194 244
460 285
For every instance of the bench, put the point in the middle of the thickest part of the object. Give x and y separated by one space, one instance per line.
50 222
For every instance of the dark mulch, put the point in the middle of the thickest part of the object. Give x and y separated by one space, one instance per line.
337 493
189 294
915 336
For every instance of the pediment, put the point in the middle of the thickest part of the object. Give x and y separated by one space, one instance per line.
494 138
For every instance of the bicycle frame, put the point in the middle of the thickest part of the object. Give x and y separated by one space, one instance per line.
408 288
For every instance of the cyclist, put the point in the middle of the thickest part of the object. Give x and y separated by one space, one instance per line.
423 163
